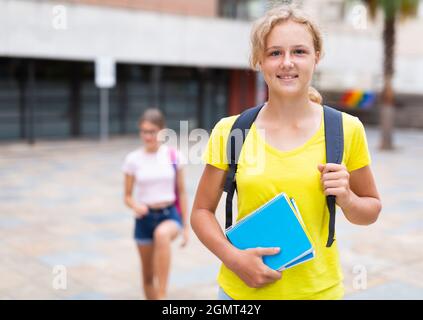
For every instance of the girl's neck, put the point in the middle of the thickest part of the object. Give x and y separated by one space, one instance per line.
151 149
287 109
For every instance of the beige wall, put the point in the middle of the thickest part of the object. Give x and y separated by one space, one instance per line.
202 8
31 29
354 58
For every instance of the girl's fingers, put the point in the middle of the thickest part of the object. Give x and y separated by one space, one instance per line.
332 175
333 167
334 191
332 184
273 275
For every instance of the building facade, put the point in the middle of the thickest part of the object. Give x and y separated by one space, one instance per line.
186 57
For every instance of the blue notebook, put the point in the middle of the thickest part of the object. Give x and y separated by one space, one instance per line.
277 223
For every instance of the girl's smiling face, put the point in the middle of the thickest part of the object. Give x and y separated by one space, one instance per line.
289 59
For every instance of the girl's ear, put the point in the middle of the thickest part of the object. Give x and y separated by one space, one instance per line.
317 60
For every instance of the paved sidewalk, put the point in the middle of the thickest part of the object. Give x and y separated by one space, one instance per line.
61 204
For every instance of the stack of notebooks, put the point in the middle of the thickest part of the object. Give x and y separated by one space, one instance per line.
277 223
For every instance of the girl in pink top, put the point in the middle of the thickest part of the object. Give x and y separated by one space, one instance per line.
153 185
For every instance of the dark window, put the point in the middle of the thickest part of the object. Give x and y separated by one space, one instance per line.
59 99
246 9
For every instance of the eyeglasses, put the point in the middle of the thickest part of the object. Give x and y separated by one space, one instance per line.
149 132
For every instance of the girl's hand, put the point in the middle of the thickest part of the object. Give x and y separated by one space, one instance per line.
140 210
185 236
336 181
248 265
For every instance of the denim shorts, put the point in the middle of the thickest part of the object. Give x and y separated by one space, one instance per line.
145 226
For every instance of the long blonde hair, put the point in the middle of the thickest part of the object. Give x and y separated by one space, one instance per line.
264 25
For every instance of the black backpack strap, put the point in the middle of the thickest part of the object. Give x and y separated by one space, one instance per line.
234 145
334 140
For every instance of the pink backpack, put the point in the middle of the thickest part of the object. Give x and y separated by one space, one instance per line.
174 161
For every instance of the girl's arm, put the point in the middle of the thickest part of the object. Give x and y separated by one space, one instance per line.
183 202
364 205
247 264
355 192
140 210
129 184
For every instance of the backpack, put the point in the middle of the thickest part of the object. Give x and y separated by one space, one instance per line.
334 141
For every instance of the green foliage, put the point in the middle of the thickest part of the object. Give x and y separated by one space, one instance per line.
393 8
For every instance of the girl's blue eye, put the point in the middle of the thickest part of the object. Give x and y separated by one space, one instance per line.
275 53
299 51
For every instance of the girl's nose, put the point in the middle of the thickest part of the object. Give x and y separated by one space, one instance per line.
287 62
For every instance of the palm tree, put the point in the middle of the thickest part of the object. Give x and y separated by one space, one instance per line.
392 9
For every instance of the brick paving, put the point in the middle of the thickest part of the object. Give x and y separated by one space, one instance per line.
61 205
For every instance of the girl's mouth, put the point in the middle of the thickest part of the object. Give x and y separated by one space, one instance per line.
287 77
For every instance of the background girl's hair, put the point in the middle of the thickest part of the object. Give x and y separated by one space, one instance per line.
155 116
264 25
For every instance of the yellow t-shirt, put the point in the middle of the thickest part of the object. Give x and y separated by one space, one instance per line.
263 172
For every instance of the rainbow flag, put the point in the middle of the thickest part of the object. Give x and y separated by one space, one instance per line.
358 99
